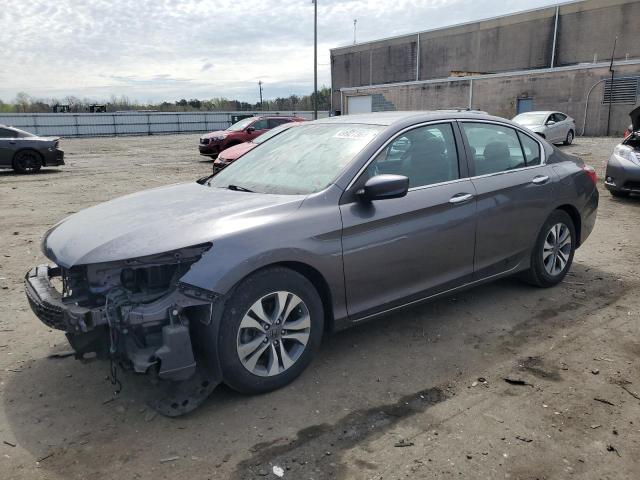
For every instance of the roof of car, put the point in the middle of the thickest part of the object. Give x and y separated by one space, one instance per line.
546 112
389 118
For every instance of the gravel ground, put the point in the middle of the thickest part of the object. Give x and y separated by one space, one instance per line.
417 394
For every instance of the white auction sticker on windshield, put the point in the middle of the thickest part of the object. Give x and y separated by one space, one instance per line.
355 133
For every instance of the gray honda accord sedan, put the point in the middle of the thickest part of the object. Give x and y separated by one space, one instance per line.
236 277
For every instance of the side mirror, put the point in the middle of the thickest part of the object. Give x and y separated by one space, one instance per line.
382 187
251 129
550 122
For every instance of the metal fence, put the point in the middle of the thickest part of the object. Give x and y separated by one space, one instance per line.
128 123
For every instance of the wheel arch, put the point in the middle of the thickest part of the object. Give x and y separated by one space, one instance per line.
27 149
575 217
316 278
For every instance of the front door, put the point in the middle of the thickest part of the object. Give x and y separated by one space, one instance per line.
400 250
514 190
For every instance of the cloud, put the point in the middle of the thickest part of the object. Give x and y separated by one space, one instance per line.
167 49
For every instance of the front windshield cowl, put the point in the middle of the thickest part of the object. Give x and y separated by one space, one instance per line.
298 161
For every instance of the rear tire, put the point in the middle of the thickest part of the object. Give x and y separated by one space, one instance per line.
569 139
27 161
271 329
553 252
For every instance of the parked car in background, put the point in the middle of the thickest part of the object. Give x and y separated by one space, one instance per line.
555 127
233 153
26 152
235 278
211 144
622 176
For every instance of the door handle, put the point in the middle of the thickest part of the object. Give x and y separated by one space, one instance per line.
460 198
12 143
540 179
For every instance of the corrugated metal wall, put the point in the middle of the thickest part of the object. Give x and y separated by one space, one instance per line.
128 123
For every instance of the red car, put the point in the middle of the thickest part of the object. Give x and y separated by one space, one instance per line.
211 144
233 153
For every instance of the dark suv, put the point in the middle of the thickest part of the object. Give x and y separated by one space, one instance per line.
211 144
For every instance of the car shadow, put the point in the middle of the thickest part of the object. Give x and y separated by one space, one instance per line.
44 171
65 413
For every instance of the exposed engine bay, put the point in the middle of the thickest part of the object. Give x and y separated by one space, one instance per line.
135 312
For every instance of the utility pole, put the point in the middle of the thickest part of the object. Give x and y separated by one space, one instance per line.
613 54
260 87
355 21
315 59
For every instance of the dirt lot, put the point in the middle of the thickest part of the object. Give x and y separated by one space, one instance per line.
418 394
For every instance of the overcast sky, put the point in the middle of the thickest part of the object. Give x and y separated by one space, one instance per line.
170 49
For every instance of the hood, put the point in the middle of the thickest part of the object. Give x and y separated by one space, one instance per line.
160 220
217 133
235 152
635 118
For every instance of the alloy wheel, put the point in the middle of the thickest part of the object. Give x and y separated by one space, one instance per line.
27 162
557 249
273 334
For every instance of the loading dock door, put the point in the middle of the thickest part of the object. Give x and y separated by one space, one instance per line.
359 104
525 105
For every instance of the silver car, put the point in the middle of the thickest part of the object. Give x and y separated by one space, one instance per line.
622 177
555 127
235 278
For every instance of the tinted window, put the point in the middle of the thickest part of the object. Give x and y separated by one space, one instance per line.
494 148
531 149
261 124
559 117
426 155
275 122
6 133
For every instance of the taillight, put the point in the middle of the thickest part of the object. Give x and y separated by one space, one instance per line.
591 172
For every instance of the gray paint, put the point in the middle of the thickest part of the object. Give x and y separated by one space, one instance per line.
420 245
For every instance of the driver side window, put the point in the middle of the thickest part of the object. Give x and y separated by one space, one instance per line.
426 155
260 124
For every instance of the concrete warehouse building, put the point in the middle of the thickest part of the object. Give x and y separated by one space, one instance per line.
554 58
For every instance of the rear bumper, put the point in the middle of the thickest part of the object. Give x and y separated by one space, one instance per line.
588 216
622 175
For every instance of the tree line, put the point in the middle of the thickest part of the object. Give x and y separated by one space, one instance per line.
25 103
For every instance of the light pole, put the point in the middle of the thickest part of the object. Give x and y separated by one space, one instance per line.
315 59
355 21
260 87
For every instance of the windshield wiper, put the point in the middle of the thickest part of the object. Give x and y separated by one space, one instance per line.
236 188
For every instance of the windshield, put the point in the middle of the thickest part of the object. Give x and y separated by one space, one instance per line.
241 125
531 118
300 160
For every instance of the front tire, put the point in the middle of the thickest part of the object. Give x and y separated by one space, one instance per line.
27 161
271 329
553 252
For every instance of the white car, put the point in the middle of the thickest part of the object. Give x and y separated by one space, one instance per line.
555 127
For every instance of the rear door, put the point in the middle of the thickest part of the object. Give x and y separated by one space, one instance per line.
514 188
400 250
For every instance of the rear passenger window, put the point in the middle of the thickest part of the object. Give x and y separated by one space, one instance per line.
494 148
531 150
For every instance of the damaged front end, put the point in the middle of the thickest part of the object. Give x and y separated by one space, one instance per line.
138 313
